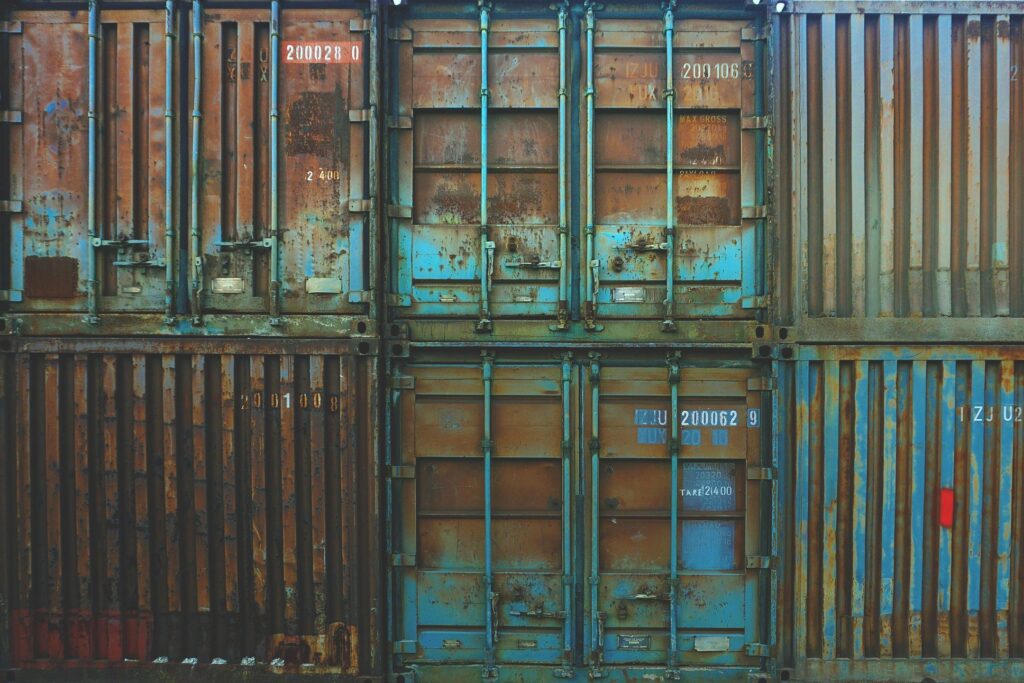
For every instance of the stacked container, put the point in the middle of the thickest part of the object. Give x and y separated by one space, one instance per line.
899 153
189 395
578 476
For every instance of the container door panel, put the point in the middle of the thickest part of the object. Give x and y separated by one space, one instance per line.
635 582
51 250
455 251
705 231
321 167
463 582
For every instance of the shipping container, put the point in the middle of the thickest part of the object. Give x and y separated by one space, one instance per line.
578 515
904 525
900 150
170 502
578 171
190 169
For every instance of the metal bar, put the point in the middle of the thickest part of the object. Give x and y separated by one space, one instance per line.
975 487
946 454
197 84
596 630
799 24
563 170
484 324
93 284
972 166
830 507
916 154
1001 208
567 569
801 496
886 162
857 167
374 146
944 131
673 452
829 120
172 550
888 500
487 446
590 293
169 261
275 234
917 488
862 419
1004 537
668 324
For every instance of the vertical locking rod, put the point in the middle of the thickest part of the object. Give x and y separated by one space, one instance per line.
668 324
93 284
563 210
590 296
169 38
596 625
567 582
487 447
484 324
197 93
673 448
275 229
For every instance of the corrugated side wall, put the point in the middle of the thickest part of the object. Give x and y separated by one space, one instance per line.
901 139
189 501
905 513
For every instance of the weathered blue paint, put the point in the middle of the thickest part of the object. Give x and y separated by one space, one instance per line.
975 482
888 487
830 461
948 444
1006 488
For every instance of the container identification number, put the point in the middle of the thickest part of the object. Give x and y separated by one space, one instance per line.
326 52
316 400
990 414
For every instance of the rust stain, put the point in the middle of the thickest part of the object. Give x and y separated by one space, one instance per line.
703 210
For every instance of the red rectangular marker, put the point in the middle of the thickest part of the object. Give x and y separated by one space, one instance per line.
946 508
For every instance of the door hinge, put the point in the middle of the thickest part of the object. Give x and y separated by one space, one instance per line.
757 122
403 472
359 297
403 382
359 115
10 27
403 560
399 34
403 647
756 301
759 562
399 122
757 650
762 383
359 25
755 212
751 33
12 295
399 211
399 300
760 473
8 116
360 205
10 206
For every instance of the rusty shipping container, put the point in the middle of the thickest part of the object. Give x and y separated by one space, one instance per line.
578 170
904 518
170 502
190 169
578 515
900 150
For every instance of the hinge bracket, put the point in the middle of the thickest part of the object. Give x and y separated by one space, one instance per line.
399 34
755 212
403 560
10 27
759 562
761 383
360 205
403 382
399 211
399 300
359 25
359 115
757 650
399 122
760 473
404 647
403 472
10 206
756 301
751 33
8 116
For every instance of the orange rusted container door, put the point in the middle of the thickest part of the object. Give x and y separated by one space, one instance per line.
51 71
283 187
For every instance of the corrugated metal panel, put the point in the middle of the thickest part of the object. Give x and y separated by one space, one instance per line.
906 513
554 165
190 500
902 147
549 519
